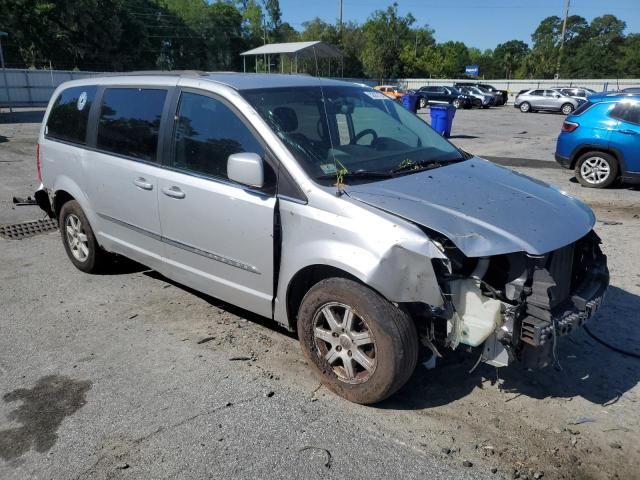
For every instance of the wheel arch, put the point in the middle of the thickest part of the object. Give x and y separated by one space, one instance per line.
303 280
582 149
60 197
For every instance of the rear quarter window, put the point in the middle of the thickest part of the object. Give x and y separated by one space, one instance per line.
70 113
583 108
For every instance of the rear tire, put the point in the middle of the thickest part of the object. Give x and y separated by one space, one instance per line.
566 109
423 102
456 103
596 169
525 107
375 332
78 239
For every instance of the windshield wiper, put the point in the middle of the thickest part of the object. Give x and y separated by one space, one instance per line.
422 165
358 174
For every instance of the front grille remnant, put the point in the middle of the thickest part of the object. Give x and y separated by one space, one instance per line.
18 231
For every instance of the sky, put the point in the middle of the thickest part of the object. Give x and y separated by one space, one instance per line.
478 23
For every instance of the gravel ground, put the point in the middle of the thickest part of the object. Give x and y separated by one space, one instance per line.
128 375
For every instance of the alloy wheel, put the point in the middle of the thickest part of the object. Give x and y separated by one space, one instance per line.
77 238
595 170
343 339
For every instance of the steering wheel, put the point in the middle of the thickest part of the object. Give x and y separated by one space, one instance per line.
363 133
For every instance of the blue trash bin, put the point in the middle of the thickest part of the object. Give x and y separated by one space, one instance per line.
410 102
451 113
442 118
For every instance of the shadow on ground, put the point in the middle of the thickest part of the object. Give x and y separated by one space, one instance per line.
589 369
227 307
30 116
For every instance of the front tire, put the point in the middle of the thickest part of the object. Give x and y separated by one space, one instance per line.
362 347
567 108
525 107
78 238
596 169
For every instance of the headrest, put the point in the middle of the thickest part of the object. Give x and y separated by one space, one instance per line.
286 118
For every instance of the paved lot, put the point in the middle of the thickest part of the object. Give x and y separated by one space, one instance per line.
127 375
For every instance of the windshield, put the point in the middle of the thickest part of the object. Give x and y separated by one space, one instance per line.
455 91
350 130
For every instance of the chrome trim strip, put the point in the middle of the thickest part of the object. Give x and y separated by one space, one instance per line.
212 256
184 246
148 233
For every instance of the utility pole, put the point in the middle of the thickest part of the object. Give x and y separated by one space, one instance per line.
264 38
340 24
564 30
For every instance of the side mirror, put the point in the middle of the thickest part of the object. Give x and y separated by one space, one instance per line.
246 168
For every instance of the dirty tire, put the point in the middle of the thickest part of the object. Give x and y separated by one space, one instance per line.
394 333
94 259
525 107
596 169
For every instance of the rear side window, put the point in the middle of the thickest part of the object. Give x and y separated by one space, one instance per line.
628 112
538 93
582 108
130 121
207 132
69 114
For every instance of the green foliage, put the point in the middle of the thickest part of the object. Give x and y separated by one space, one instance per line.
385 34
211 34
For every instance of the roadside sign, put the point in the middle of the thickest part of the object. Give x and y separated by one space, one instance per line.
472 70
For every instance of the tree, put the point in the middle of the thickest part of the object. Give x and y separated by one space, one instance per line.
629 59
385 33
509 56
275 16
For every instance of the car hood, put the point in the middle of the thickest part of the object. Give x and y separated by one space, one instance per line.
484 209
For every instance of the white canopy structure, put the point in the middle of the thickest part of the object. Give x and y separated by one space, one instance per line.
294 51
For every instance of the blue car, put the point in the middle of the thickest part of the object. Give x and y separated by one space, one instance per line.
600 140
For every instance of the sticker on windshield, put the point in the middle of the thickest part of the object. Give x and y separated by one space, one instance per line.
328 168
82 101
375 95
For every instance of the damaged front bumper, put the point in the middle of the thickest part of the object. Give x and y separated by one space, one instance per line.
540 298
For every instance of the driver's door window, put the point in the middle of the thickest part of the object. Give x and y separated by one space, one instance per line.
207 132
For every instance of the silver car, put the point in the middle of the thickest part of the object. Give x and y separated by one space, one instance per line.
485 99
326 207
545 100
580 93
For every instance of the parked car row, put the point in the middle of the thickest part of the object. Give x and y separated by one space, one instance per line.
461 95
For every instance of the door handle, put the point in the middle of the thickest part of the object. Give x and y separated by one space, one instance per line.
143 184
628 132
173 192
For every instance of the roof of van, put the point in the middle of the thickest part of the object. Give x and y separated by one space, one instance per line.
243 81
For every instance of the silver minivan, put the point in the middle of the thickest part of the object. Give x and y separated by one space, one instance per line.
326 207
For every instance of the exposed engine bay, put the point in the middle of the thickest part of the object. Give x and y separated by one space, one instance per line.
515 306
